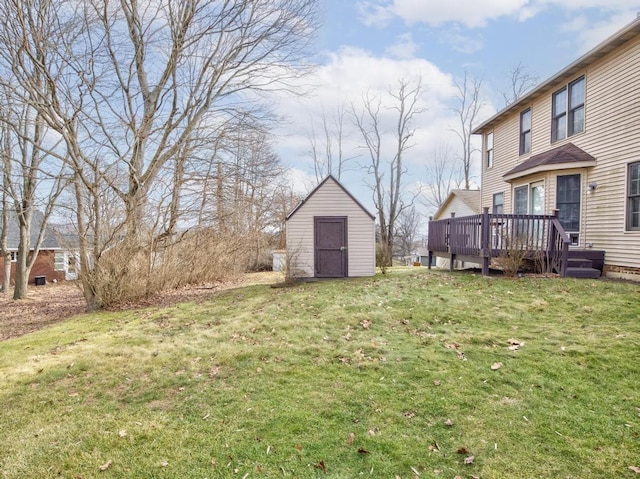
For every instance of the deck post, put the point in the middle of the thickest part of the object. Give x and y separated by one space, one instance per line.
485 245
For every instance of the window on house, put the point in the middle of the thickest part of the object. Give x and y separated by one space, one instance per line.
525 131
633 197
568 202
498 203
14 256
489 150
58 261
521 200
568 110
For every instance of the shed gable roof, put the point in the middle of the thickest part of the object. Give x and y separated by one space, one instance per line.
320 185
562 157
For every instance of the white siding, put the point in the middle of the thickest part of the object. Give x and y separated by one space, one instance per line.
331 200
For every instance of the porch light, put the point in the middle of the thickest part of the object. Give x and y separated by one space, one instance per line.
592 187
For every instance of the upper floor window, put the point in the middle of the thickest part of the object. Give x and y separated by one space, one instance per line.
525 131
633 197
567 110
489 162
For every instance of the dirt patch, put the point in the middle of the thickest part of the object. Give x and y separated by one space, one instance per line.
54 302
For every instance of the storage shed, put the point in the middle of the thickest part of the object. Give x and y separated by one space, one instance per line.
331 235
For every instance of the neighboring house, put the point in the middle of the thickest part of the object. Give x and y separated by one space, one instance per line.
331 235
458 203
570 145
54 261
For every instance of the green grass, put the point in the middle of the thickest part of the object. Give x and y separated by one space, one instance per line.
264 382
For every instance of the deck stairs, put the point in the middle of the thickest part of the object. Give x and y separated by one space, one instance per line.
583 263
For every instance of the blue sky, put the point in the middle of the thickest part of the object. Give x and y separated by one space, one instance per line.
369 45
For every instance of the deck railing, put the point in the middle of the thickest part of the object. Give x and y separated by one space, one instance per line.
488 236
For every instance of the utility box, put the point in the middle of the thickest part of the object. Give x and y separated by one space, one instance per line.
40 280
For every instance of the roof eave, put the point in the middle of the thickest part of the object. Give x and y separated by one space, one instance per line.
548 167
596 53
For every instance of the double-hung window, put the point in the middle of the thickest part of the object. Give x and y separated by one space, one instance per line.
633 197
489 162
498 203
525 131
567 110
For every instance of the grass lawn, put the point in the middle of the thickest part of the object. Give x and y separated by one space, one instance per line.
413 374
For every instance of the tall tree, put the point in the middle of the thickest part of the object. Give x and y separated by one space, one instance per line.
407 231
129 84
468 105
444 174
32 166
387 169
327 146
520 82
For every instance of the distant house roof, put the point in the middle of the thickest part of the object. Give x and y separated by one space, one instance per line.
330 177
471 198
562 157
607 46
49 241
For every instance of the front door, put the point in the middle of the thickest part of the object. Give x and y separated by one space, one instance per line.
330 246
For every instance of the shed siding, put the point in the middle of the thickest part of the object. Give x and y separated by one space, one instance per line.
611 135
331 200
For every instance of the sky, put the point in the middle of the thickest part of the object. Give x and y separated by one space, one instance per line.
369 45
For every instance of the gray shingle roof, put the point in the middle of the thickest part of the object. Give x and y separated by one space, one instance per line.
49 241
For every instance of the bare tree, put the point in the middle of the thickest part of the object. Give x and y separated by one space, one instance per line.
406 231
32 182
327 147
467 109
444 173
4 231
520 82
387 169
130 85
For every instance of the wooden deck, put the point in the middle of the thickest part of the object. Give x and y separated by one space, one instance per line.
480 238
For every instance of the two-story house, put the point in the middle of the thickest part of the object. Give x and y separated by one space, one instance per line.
572 146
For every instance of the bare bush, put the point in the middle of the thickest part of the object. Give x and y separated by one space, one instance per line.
128 272
515 249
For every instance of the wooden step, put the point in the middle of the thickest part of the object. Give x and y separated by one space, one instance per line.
579 263
582 273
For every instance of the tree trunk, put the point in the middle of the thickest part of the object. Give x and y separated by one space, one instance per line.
22 263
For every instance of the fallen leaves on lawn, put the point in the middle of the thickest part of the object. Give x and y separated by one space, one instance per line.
436 383
469 460
321 466
352 437
496 366
362 450
462 450
106 465
448 422
634 469
514 344
122 433
365 323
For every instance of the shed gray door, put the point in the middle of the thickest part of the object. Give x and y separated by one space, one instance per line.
330 246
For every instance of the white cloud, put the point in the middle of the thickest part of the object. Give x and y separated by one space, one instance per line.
464 43
343 79
587 34
404 47
470 13
476 14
